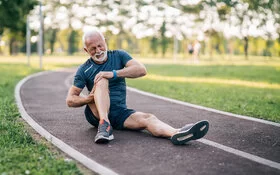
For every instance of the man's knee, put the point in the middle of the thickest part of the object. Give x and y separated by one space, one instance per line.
148 118
102 84
152 123
143 119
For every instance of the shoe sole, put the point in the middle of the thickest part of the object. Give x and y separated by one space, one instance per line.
103 139
197 131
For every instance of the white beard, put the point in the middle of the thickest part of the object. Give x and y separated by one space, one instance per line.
100 59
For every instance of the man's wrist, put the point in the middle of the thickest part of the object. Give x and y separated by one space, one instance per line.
89 99
115 75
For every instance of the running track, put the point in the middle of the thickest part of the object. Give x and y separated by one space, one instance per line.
233 145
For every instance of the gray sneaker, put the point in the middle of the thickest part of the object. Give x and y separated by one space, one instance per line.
190 132
104 133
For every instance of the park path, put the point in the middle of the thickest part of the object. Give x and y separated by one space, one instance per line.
232 145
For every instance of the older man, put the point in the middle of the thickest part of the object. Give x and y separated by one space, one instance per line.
104 76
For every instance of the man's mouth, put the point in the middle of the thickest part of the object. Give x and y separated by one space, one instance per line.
98 55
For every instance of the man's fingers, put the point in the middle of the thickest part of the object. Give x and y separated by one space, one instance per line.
98 77
93 89
101 75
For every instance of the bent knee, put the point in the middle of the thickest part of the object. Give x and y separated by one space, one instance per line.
103 83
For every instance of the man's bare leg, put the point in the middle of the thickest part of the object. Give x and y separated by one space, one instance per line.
102 100
151 123
102 104
158 128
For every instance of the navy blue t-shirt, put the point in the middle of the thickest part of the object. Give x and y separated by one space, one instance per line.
86 73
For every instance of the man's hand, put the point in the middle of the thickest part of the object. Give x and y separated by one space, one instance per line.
75 100
90 97
103 74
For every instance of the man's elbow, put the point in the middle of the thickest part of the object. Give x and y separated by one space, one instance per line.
69 102
143 71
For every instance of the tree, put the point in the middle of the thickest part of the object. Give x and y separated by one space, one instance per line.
13 17
13 14
271 8
250 11
72 42
50 36
154 44
164 40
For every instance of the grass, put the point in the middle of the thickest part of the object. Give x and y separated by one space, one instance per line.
251 90
19 152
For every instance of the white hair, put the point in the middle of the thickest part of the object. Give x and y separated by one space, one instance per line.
91 32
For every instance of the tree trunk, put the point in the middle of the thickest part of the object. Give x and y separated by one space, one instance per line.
278 44
119 41
210 47
52 40
13 48
1 52
246 42
72 42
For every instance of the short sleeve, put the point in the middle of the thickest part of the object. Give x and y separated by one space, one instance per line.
79 80
125 57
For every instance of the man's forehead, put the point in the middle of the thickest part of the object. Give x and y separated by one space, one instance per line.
95 37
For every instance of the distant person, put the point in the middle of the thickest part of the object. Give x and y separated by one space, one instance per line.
104 76
190 48
196 50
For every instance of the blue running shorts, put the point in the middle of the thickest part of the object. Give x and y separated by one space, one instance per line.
117 116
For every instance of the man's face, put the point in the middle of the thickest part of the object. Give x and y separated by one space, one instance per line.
96 47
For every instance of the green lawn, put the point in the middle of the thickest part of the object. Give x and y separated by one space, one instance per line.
19 152
268 74
252 90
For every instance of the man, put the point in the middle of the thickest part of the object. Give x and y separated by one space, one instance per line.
104 76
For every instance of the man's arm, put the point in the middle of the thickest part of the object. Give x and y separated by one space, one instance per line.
75 100
133 69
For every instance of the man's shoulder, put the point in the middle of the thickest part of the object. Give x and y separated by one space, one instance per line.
85 65
119 54
117 51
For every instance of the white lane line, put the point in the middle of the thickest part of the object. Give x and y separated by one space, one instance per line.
241 153
89 163
214 144
204 108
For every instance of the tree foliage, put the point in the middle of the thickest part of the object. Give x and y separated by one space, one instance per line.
13 14
157 20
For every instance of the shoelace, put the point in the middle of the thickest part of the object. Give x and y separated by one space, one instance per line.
103 127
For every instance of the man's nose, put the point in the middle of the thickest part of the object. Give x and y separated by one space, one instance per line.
98 50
